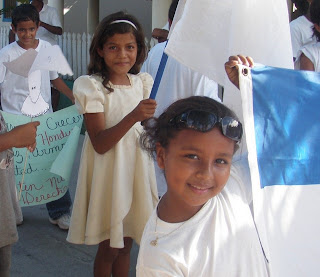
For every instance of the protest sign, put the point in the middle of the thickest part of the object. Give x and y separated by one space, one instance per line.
48 168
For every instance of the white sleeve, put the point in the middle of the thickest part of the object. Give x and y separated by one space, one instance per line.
147 82
3 69
89 98
295 39
310 51
54 18
53 75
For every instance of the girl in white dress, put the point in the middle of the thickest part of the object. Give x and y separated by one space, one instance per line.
116 190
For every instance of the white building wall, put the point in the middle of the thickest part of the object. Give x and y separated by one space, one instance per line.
75 18
142 9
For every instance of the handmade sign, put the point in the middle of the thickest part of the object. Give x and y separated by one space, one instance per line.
48 168
29 65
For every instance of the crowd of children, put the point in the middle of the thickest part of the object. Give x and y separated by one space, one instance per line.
203 222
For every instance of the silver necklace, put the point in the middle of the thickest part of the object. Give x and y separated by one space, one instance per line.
154 242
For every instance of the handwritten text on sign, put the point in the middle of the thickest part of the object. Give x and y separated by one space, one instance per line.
48 168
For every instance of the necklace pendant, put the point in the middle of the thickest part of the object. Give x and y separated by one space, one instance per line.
154 242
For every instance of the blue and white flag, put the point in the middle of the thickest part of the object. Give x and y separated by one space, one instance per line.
281 115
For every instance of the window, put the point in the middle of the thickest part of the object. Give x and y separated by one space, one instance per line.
8 5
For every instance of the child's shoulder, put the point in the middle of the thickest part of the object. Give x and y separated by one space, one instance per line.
95 79
143 80
143 77
8 48
44 44
87 83
10 52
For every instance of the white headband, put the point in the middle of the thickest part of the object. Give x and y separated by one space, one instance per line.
124 21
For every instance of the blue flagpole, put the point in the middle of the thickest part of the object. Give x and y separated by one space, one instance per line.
159 74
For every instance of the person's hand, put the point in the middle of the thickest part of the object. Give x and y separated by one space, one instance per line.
160 34
232 69
32 147
25 135
144 110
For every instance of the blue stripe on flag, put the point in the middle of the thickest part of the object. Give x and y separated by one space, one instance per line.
286 105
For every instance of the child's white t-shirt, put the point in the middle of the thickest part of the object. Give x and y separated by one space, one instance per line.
301 33
220 240
14 88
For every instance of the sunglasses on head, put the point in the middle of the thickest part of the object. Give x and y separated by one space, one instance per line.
204 121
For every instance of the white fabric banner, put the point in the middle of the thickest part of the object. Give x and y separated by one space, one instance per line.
206 32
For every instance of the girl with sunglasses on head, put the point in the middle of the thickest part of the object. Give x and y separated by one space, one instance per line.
116 190
202 225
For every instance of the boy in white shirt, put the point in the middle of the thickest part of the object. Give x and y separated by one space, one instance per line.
15 88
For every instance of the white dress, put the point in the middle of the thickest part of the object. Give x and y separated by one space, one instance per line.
116 191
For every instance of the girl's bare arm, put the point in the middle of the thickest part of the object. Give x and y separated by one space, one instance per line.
305 63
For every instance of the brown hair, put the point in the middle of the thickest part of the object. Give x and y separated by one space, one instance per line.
159 130
106 30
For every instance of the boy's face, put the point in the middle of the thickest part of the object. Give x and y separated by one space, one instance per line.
196 166
26 32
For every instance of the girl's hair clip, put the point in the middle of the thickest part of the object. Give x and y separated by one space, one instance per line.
124 21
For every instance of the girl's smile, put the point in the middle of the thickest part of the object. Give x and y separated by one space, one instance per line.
120 54
196 166
200 189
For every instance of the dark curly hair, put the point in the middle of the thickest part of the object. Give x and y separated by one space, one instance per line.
24 12
315 17
301 5
159 130
106 30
